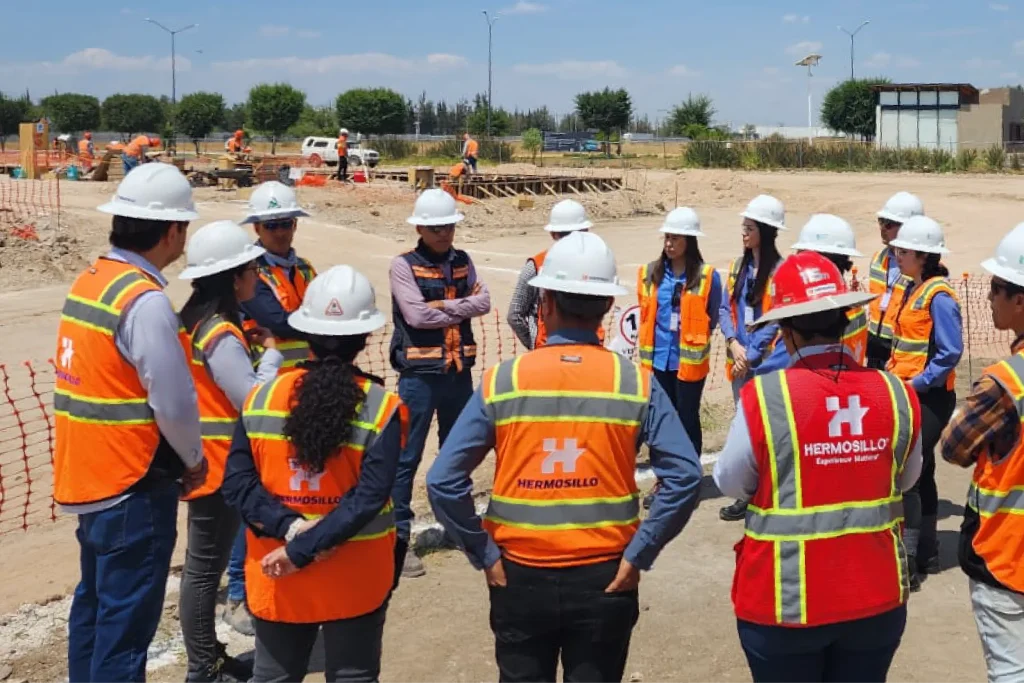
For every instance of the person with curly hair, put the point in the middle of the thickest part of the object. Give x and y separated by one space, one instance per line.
311 470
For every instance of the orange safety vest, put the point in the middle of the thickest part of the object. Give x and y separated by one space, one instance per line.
289 294
106 433
457 170
356 579
996 494
542 330
766 305
472 147
217 416
694 323
566 420
342 146
233 145
878 283
134 148
85 151
912 330
855 337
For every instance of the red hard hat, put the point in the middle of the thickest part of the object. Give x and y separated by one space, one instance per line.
239 133
808 283
88 135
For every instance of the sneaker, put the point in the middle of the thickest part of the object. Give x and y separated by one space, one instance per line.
230 668
241 620
733 513
413 566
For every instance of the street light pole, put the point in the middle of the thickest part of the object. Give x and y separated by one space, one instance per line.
490 29
852 36
174 75
810 61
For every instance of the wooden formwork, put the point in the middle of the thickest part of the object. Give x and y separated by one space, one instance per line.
496 186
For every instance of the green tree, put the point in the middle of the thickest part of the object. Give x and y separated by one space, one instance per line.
607 110
372 111
128 114
71 112
850 107
274 108
13 112
694 111
317 121
501 122
533 140
198 114
235 117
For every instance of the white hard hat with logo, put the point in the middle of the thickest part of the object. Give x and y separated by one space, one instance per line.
154 191
682 221
901 207
217 247
568 215
338 302
273 201
1008 262
580 263
827 234
434 207
766 209
921 233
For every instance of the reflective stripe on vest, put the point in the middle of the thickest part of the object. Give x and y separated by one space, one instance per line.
102 411
289 294
586 513
378 527
912 330
692 354
102 315
987 501
766 305
855 336
878 283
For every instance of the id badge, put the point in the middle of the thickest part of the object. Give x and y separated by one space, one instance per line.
885 300
748 315
674 324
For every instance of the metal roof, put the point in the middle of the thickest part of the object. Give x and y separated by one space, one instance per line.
963 88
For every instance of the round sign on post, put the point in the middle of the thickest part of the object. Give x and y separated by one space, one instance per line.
629 324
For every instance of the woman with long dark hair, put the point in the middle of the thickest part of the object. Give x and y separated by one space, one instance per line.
927 345
222 267
311 469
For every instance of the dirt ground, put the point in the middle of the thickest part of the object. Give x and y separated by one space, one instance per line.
437 627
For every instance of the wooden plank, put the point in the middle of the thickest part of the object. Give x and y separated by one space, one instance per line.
550 189
572 186
590 187
483 189
529 191
505 191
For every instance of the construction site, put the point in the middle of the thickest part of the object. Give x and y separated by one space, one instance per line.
437 626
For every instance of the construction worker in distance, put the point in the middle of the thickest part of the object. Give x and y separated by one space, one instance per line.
885 277
435 294
236 144
470 151
567 216
311 469
985 434
561 544
221 265
342 146
86 152
927 344
820 588
748 297
833 238
135 151
127 426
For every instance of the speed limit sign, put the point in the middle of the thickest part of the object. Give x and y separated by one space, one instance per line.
629 324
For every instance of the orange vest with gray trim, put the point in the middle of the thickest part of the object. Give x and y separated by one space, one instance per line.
356 577
106 433
694 323
823 540
289 294
566 423
912 330
878 283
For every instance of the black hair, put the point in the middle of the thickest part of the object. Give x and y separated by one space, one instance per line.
327 400
691 258
828 324
138 234
841 261
213 295
933 267
584 309
768 258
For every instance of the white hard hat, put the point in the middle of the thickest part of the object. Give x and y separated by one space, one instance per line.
1008 263
580 263
568 216
434 207
338 303
827 234
343 131
900 207
271 201
217 247
921 233
154 191
682 221
766 209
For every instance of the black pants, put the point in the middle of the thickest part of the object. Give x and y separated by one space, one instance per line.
922 500
878 352
685 396
342 173
212 526
546 613
472 162
352 648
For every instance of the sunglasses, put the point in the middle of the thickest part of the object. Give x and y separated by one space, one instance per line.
440 229
887 224
283 224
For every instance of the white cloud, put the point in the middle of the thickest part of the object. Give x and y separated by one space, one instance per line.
882 60
369 62
308 34
978 63
126 11
97 59
999 7
803 48
796 19
1009 76
523 7
953 32
683 71
571 70
771 70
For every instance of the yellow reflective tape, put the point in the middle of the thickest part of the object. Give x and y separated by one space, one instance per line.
556 418
532 393
803 582
562 527
617 377
515 374
559 503
832 507
777 558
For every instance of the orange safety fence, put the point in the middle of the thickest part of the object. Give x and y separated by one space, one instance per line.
26 408
25 202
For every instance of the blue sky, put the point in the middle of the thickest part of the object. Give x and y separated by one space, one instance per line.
741 53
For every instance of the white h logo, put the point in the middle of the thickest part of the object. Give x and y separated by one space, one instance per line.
852 415
301 476
567 456
67 353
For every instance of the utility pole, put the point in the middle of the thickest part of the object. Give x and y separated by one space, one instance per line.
174 76
490 42
852 36
810 61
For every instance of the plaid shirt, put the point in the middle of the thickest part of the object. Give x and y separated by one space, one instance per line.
987 422
522 310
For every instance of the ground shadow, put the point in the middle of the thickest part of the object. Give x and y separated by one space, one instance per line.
708 489
948 542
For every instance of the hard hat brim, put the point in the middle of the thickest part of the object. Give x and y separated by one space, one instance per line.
273 215
575 287
999 270
443 220
761 219
575 227
196 272
669 230
115 208
903 244
841 251
303 322
889 216
828 303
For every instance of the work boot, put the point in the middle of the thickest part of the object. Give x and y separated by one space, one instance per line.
912 574
734 513
238 617
928 545
230 668
413 566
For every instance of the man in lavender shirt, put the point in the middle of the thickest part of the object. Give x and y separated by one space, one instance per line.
435 295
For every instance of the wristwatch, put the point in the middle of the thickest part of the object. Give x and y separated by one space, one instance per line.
293 530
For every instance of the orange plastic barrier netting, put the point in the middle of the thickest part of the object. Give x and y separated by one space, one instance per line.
23 202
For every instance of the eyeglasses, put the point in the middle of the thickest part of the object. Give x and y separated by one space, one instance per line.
282 224
440 229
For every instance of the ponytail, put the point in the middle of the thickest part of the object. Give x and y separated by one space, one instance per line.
933 267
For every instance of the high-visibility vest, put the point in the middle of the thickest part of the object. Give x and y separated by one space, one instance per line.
342 146
357 577
823 532
106 433
766 305
996 494
472 147
855 336
134 148
912 330
85 151
289 294
566 424
878 283
434 351
233 145
217 415
694 323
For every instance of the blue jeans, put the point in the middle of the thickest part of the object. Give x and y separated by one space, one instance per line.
424 394
236 568
129 163
125 558
859 650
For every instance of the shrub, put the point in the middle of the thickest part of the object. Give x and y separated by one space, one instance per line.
391 147
965 159
995 159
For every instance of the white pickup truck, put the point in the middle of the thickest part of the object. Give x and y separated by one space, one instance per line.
320 151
